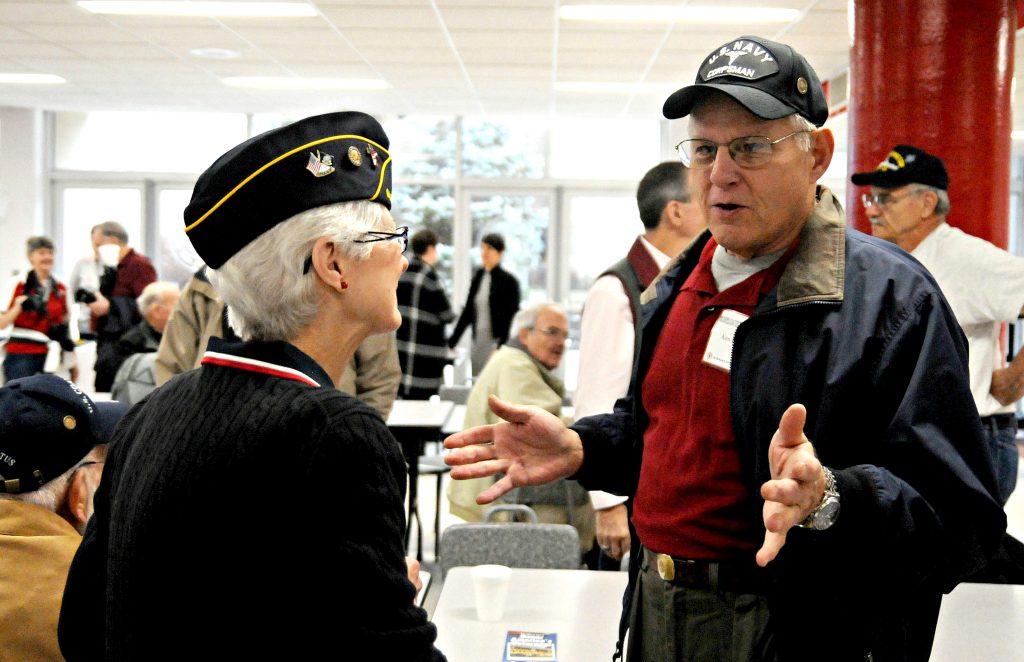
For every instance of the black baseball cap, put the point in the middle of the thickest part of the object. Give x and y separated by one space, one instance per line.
47 425
904 165
316 161
769 79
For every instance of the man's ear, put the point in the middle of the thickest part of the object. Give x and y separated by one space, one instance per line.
523 332
931 199
77 500
328 263
823 146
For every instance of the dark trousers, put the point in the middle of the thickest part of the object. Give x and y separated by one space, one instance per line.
1001 431
672 623
17 366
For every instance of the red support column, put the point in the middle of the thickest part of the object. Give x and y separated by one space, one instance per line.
937 75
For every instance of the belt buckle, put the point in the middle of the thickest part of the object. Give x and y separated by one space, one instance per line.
666 567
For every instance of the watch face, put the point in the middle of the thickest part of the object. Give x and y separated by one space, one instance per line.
826 514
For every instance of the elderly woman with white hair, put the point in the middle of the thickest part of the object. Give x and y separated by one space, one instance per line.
250 510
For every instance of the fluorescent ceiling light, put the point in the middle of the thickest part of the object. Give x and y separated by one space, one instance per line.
31 79
209 53
613 88
199 8
282 83
674 13
1017 135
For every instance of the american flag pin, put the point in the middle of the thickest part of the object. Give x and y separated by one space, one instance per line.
373 155
320 165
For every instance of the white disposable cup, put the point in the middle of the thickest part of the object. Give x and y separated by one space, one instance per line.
490 588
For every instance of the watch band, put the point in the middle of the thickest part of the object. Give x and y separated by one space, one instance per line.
825 514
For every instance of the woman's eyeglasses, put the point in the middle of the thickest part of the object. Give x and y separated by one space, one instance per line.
401 236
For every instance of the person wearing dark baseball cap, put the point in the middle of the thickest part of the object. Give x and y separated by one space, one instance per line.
796 443
908 204
250 510
52 444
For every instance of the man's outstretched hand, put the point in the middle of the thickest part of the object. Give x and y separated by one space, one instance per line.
797 485
531 447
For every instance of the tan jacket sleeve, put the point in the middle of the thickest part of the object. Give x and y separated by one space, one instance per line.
197 317
373 373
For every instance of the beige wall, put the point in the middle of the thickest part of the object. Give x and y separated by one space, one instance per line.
23 186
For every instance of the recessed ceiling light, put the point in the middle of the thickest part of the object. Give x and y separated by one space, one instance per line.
674 13
214 53
31 79
283 83
199 8
613 88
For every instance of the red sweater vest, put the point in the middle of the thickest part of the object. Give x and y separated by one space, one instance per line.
691 501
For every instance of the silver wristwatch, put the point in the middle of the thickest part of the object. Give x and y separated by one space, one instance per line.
827 512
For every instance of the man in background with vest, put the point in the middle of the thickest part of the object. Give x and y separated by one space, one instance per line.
611 317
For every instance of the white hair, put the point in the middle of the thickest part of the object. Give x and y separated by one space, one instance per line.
267 295
801 123
53 493
942 198
526 318
153 293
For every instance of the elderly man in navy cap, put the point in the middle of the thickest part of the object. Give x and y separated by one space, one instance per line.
52 444
808 470
908 205
251 510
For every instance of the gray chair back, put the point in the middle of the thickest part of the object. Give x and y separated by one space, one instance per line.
457 394
515 544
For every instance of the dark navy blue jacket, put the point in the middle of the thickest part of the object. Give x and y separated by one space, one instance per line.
859 333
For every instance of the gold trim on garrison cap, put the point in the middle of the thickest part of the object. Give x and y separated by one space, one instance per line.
277 174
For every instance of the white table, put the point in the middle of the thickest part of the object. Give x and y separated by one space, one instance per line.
581 606
981 622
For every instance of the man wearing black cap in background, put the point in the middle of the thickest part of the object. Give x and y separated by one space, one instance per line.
52 445
808 468
249 509
984 285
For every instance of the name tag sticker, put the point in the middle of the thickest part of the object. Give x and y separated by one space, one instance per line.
718 353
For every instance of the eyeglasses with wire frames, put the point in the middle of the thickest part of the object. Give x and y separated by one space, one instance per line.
746 151
552 332
401 236
884 200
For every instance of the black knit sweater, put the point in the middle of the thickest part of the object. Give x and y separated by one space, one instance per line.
245 516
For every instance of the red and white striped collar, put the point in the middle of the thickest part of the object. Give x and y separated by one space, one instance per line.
255 365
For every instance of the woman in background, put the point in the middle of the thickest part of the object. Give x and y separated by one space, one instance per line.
492 302
39 311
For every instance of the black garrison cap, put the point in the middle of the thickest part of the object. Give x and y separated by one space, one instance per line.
267 179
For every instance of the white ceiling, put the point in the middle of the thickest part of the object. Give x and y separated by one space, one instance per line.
468 57
437 56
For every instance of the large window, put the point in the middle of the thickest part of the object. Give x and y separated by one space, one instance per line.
601 230
81 208
523 220
503 149
176 260
424 207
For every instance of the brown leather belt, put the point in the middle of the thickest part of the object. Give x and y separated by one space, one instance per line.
734 576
